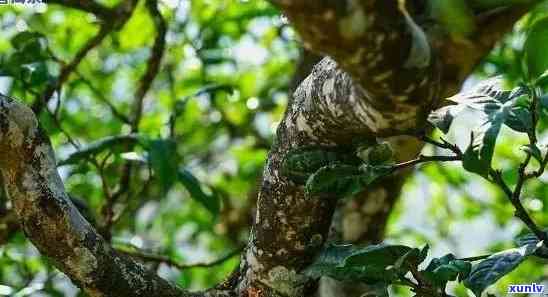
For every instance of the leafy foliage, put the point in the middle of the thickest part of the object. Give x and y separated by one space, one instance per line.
496 266
497 107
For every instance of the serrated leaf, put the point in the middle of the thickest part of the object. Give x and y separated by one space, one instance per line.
20 40
486 97
339 179
371 173
471 160
520 120
299 164
495 106
194 188
490 270
357 263
447 268
535 48
413 258
377 154
112 143
530 238
164 161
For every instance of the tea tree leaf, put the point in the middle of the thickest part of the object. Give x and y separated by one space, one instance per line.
112 143
490 270
163 160
355 263
496 107
343 180
194 188
377 154
299 164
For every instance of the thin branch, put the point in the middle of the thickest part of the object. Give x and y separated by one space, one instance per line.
146 256
476 258
153 64
67 69
118 16
152 70
88 6
101 97
425 159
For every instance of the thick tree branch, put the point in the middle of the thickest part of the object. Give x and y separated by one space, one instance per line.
52 222
363 90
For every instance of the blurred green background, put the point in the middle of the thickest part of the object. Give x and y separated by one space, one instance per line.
208 122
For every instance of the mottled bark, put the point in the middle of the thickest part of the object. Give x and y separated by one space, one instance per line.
51 221
363 90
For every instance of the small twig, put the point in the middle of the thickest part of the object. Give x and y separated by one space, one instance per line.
103 99
153 64
425 159
115 18
67 69
170 262
88 6
476 258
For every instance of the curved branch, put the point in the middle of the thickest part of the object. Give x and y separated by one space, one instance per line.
51 221
362 90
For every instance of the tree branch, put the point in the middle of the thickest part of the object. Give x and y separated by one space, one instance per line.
88 6
146 256
153 64
362 90
51 221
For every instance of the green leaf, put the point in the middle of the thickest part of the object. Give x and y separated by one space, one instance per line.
342 180
445 269
486 97
30 47
530 238
520 120
495 106
471 160
194 188
299 164
535 49
369 264
164 161
413 258
490 270
112 143
23 39
377 154
371 173
543 101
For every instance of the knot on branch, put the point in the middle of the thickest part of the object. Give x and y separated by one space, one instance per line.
18 125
